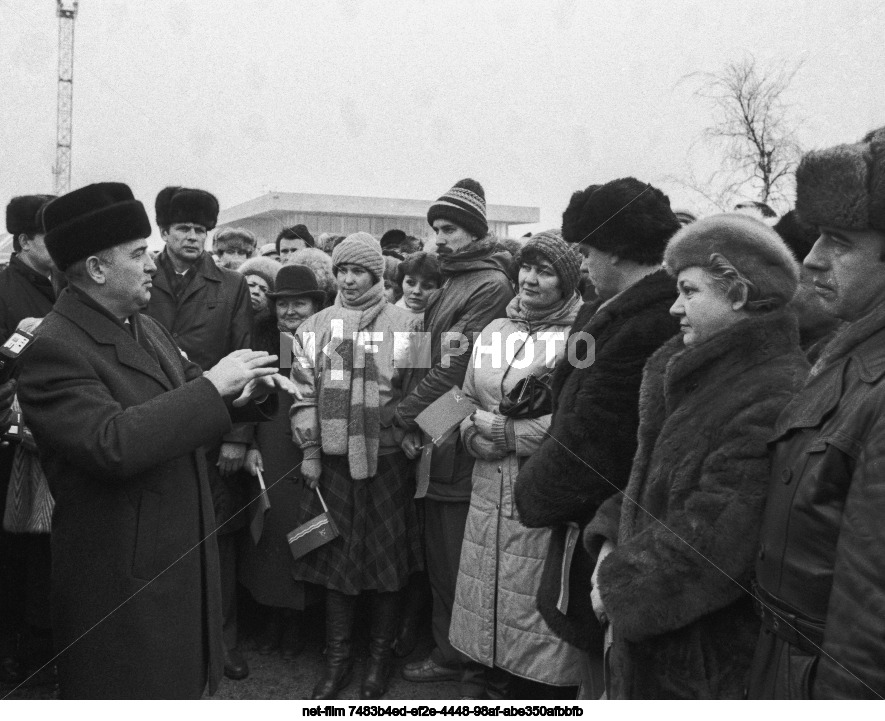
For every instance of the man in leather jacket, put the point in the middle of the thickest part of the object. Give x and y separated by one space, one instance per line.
820 575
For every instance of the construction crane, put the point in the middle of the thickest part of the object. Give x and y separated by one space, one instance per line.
67 12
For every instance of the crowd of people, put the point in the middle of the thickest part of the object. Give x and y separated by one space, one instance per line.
667 482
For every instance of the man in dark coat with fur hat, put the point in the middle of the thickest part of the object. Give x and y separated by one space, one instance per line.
208 311
820 571
622 228
25 292
119 416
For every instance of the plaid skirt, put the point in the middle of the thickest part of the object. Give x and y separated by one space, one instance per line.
379 545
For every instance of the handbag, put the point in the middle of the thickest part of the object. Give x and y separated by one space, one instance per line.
530 398
315 533
29 503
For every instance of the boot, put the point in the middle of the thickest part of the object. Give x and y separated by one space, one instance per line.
384 625
416 596
339 664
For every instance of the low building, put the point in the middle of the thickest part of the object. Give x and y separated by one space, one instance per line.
268 214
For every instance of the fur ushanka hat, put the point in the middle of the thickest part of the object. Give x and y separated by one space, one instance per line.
625 217
186 205
23 216
756 251
265 268
844 186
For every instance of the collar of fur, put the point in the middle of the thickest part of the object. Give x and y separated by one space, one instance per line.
747 343
849 337
652 288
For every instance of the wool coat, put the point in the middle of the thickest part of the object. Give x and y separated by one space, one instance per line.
495 620
822 543
676 586
476 290
119 420
210 319
24 293
590 445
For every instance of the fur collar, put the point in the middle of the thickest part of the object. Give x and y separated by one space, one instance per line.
747 343
652 289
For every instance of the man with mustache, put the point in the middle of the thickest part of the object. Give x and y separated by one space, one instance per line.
208 311
476 290
820 574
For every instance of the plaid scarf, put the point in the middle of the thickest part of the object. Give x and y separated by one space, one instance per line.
348 402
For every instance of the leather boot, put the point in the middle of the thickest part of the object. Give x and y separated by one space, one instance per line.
384 625
339 663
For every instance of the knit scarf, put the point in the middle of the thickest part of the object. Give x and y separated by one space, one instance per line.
348 402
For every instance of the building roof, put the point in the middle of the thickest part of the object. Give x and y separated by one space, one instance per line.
272 203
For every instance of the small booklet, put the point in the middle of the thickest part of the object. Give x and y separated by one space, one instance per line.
445 414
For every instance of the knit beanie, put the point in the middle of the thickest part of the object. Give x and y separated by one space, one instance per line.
844 187
625 217
565 258
755 250
464 205
360 249
264 268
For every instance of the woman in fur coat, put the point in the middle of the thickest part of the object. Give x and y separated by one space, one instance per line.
676 551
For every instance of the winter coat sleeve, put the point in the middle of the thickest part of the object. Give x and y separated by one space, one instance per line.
853 635
95 433
241 337
604 526
668 576
488 302
304 415
589 447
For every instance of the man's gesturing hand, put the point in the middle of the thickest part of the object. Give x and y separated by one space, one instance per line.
231 374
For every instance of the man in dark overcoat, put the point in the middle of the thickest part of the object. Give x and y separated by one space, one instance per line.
25 292
209 314
119 416
820 571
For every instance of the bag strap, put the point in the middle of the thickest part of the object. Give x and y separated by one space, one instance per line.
322 500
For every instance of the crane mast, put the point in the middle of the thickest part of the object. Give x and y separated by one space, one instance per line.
67 12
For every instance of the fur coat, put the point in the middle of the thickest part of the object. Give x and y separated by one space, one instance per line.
676 586
587 453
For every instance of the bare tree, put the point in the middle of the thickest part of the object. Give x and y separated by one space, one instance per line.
753 130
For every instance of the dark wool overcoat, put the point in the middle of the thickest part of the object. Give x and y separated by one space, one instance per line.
590 445
822 545
210 319
24 293
676 587
119 422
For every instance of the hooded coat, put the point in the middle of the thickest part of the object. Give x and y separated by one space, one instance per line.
495 620
476 290
589 448
676 586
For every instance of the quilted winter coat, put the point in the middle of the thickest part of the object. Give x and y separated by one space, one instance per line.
495 620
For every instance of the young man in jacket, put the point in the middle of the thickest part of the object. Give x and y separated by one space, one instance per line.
622 228
476 290
820 575
208 311
120 417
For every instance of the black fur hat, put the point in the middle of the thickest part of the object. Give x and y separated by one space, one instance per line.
626 217
186 205
798 236
22 216
90 219
392 239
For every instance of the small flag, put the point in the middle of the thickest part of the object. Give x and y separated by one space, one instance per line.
445 414
257 525
313 534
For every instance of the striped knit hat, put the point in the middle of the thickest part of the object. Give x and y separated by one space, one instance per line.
464 205
360 249
565 258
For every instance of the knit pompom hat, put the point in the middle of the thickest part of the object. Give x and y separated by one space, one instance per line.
265 268
755 250
844 187
625 217
360 249
565 258
464 205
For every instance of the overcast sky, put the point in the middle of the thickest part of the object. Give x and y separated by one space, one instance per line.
401 99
